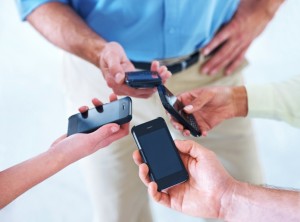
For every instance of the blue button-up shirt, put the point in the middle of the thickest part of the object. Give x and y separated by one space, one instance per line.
150 29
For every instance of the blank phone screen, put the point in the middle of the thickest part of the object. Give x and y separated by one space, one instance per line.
160 154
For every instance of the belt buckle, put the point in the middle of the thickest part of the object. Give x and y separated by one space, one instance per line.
183 64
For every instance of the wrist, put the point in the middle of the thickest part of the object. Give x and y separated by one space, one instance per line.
270 7
93 51
230 200
240 101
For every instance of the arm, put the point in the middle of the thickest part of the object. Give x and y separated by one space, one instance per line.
255 203
237 35
279 101
213 105
211 192
17 179
59 23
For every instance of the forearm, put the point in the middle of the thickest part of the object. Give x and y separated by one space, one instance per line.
275 101
59 24
267 7
255 203
16 180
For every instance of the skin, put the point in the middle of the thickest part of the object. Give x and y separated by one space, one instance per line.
212 105
64 151
234 38
68 31
211 192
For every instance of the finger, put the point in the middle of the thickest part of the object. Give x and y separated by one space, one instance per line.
104 132
113 97
144 173
189 147
204 133
186 133
226 58
115 69
137 158
176 124
155 66
160 197
165 76
223 35
197 104
96 102
209 67
237 62
83 109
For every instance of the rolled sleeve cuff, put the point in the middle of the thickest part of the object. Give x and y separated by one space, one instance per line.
27 7
260 101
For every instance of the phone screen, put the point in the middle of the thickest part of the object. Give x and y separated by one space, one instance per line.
160 154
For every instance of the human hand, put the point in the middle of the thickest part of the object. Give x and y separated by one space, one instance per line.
234 38
80 145
211 105
114 63
209 184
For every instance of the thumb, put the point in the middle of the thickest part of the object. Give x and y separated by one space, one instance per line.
190 147
196 104
103 132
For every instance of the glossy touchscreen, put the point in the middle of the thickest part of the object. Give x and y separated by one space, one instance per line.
160 154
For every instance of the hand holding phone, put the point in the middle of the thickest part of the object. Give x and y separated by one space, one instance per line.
159 152
175 108
119 111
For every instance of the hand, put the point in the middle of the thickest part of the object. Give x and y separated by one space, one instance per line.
80 145
114 63
203 194
234 38
212 105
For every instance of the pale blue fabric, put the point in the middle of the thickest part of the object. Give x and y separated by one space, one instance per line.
150 29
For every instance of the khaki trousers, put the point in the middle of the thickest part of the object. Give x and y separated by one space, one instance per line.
112 178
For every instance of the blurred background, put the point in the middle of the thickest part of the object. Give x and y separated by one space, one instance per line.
32 113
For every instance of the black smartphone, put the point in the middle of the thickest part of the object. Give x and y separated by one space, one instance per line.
119 111
175 108
142 79
159 152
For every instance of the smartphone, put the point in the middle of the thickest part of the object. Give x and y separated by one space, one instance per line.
142 79
175 108
119 111
159 152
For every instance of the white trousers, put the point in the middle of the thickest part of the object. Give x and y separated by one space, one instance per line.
112 178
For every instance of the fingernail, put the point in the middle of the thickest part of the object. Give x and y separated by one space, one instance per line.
214 72
119 78
115 129
188 108
205 70
206 52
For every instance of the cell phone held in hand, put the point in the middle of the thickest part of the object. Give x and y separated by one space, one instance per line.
119 111
159 152
142 79
175 108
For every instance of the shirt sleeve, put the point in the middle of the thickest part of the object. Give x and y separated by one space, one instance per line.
25 7
279 101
